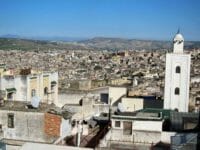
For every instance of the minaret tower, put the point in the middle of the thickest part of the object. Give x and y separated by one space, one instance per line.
177 77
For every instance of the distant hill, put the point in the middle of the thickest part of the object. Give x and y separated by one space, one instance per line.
9 36
119 43
25 44
98 43
44 38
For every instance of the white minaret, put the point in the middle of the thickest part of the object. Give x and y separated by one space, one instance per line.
177 77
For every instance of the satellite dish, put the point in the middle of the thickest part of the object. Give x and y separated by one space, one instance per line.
35 101
121 107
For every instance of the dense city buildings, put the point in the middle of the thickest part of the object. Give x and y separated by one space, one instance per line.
84 70
99 75
100 99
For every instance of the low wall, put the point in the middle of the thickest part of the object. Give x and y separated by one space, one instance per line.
148 137
166 136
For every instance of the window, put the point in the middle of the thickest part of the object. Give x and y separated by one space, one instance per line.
10 120
1 130
177 91
45 90
10 96
197 101
52 87
117 124
127 128
178 69
176 109
33 92
73 123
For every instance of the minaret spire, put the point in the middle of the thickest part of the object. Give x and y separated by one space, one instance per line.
178 42
178 32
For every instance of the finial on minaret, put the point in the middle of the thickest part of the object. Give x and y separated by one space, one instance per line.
178 30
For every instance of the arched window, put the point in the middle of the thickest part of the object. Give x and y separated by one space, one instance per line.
178 69
45 90
176 109
33 92
177 91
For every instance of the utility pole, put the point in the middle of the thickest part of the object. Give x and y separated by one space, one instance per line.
110 102
198 133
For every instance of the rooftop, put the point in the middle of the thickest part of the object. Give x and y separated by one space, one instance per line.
26 106
165 112
143 114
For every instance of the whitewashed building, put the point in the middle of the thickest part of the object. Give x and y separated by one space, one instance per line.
22 87
177 77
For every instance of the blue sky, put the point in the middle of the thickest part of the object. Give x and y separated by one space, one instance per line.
143 19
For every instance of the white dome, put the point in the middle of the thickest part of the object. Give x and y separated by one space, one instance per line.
178 37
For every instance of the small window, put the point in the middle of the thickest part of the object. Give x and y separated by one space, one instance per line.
178 69
10 120
117 124
73 123
1 130
45 90
33 92
52 87
176 109
177 91
10 96
127 128
197 101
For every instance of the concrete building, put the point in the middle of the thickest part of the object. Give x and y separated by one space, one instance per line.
141 127
177 77
131 104
24 85
130 128
150 127
116 93
20 123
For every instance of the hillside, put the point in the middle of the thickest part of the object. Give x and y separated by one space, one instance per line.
95 43
25 44
118 43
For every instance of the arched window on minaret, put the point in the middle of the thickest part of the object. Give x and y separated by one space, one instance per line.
177 91
178 69
45 90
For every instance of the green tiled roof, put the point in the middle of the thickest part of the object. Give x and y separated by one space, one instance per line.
10 90
145 114
165 112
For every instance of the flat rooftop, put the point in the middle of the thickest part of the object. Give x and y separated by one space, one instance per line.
26 106
143 114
